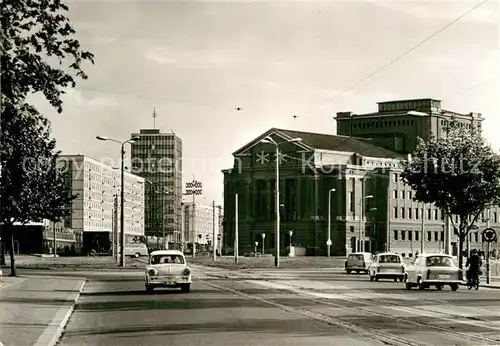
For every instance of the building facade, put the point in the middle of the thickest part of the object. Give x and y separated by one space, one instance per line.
96 184
157 157
371 209
199 222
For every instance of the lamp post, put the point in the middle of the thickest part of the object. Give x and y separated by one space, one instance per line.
122 194
329 241
256 244
290 233
263 238
360 244
374 225
277 191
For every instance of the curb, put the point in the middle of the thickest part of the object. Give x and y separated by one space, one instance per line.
50 337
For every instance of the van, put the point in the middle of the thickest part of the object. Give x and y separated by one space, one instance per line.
136 250
358 262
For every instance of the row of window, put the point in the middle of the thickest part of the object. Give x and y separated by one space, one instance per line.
409 235
376 124
432 214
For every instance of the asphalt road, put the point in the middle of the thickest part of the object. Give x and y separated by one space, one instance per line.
279 308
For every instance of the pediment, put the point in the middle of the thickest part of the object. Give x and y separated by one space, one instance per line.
257 146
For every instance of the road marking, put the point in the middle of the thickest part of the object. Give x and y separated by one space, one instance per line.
372 333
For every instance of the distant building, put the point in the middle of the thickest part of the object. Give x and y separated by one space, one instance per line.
203 217
157 157
371 209
95 184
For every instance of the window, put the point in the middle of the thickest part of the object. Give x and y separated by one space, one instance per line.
351 201
403 235
476 237
439 261
429 236
436 216
428 214
395 235
442 215
351 228
495 217
417 233
402 212
409 213
402 194
410 235
395 212
416 213
395 194
395 177
410 194
436 236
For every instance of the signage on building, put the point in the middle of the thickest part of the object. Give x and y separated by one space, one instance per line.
489 235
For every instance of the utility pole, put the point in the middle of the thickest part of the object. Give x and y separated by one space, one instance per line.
236 231
422 241
115 227
214 238
55 242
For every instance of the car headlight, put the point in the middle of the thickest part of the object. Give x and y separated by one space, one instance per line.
152 272
186 271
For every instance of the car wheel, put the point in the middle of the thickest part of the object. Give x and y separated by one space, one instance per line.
348 271
357 271
185 288
454 287
395 279
372 277
420 284
376 278
408 286
439 287
401 278
149 289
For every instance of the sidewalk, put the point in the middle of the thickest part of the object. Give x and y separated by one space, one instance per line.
35 309
73 263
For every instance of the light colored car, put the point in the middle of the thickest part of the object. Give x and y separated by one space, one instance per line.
136 250
437 270
167 269
358 262
387 266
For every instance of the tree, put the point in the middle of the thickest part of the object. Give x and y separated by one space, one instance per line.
33 186
38 54
459 174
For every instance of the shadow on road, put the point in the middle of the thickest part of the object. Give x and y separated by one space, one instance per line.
191 304
292 327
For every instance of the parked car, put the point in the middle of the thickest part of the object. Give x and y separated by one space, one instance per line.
136 250
387 266
437 270
358 262
167 269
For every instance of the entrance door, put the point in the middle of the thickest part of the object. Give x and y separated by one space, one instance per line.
353 244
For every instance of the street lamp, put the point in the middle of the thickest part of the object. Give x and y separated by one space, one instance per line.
374 227
360 244
269 140
256 244
329 241
122 195
263 237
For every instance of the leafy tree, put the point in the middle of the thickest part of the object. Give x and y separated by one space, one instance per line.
459 174
38 54
33 186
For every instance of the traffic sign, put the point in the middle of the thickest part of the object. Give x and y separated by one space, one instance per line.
329 242
489 235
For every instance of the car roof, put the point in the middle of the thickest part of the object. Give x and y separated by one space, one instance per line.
167 253
388 254
361 253
428 254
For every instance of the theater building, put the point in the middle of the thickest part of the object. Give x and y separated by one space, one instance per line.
358 170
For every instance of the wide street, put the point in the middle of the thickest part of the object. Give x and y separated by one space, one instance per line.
279 307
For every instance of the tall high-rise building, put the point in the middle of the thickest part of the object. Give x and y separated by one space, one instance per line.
157 157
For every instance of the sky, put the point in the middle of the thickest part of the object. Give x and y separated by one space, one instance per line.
195 62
